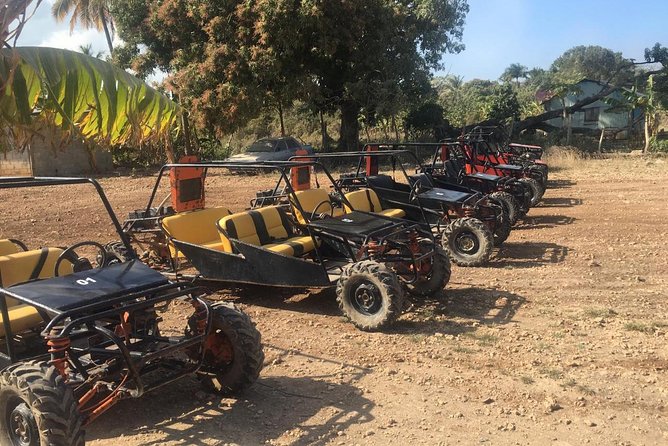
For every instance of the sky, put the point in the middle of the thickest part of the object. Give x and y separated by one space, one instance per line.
496 34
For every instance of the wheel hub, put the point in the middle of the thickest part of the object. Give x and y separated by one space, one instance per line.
467 243
21 426
367 298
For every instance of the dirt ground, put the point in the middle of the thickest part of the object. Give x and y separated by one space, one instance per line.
561 340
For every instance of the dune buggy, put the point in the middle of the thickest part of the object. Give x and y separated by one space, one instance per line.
467 223
370 259
82 332
507 152
448 169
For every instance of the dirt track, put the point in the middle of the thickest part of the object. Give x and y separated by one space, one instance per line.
562 340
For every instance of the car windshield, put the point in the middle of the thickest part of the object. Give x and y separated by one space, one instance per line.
263 145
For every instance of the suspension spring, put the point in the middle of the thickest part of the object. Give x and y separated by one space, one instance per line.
58 346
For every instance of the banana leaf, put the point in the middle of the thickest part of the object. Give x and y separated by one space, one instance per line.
83 96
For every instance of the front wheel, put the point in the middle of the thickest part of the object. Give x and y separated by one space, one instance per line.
537 190
468 242
509 204
435 272
369 295
233 355
37 407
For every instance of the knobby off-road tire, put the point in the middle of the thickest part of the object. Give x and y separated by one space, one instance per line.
537 190
369 295
38 408
509 203
231 329
438 277
502 230
468 242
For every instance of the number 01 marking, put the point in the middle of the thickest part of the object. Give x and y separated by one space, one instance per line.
86 281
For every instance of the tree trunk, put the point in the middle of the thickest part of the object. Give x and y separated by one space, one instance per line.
569 128
647 133
395 128
323 132
600 140
107 34
350 128
186 133
280 117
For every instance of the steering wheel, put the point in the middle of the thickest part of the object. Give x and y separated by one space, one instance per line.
81 263
315 211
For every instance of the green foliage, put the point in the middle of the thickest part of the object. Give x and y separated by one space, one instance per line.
592 62
83 96
427 123
502 104
514 72
231 61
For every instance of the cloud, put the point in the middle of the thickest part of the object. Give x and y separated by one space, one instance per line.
43 30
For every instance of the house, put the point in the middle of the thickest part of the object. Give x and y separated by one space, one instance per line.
597 115
47 155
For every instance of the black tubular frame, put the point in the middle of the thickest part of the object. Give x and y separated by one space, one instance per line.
283 168
23 182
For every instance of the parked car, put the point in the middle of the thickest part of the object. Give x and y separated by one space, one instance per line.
271 149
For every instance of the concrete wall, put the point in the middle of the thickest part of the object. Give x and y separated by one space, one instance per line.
48 155
14 163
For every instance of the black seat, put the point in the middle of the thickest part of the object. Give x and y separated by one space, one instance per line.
381 181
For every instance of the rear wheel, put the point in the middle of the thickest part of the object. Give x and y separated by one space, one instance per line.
537 190
467 241
369 295
37 407
233 356
509 204
438 274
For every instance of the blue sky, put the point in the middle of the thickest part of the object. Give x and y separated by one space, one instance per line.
535 32
497 32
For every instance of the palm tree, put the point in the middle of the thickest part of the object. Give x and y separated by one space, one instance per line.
89 13
88 51
515 71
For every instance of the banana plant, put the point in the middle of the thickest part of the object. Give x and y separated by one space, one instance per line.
81 95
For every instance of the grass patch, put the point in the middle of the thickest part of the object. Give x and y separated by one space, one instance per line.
586 390
644 328
558 334
417 338
600 312
486 339
462 349
554 374
527 380
570 383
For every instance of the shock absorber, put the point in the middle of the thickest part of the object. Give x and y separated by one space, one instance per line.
58 346
374 249
201 317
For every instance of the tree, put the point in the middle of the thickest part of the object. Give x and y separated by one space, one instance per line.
88 51
592 62
427 121
502 104
89 13
229 59
515 72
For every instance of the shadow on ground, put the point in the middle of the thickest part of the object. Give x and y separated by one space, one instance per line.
560 184
559 202
275 407
484 305
543 221
303 300
528 255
